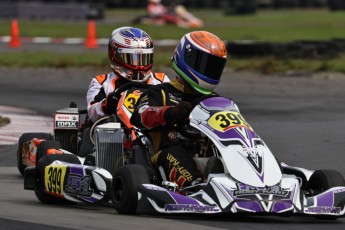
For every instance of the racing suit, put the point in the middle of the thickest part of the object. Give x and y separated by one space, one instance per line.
101 85
172 151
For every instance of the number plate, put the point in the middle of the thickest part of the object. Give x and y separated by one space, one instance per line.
131 99
223 121
54 179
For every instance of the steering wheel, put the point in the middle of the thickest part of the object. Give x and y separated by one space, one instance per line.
189 132
133 84
117 94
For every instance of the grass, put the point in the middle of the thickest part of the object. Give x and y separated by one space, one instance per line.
265 25
265 65
4 121
46 59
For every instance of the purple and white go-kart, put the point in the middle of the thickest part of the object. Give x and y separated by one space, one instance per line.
242 176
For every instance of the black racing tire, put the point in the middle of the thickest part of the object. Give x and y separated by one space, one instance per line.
125 187
322 180
24 138
40 178
44 146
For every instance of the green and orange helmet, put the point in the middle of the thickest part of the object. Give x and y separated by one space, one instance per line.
199 59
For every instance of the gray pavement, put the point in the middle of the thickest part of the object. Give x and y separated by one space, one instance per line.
301 118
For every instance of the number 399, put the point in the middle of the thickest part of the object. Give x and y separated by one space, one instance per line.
230 119
54 180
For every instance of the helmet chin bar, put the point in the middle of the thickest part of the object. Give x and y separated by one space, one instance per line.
132 75
140 76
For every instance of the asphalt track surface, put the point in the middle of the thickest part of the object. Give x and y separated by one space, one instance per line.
300 117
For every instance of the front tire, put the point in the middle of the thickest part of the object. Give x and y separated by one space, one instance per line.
40 177
322 180
125 187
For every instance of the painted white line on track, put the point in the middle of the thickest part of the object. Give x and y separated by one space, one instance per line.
22 121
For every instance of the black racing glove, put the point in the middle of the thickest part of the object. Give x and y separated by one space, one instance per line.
109 104
178 114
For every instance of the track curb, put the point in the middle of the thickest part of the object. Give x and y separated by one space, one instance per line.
22 121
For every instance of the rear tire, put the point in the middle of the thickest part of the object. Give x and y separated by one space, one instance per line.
40 180
44 146
24 138
125 187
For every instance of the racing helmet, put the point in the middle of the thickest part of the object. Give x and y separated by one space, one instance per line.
130 51
199 59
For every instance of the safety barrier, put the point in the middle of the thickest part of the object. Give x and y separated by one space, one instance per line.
53 11
294 49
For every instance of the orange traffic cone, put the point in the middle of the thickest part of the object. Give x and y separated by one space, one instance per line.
91 40
14 40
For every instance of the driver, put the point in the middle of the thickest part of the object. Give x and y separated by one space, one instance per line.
198 61
130 51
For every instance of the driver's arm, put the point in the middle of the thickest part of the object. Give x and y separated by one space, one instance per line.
95 96
154 110
150 110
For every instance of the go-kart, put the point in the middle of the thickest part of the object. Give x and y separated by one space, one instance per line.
176 15
241 175
96 152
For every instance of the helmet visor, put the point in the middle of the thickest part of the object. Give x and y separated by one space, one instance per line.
135 57
204 63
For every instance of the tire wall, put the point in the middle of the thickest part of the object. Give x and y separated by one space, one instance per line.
296 49
222 4
234 4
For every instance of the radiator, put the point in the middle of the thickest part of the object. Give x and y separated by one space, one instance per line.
109 148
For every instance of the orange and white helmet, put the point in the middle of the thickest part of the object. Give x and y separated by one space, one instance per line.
130 51
199 58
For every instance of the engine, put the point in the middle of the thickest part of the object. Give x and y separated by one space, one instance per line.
66 128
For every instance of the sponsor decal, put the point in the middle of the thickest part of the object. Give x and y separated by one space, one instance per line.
110 131
131 99
78 185
339 190
190 208
54 179
323 210
225 120
66 117
245 190
177 168
66 124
